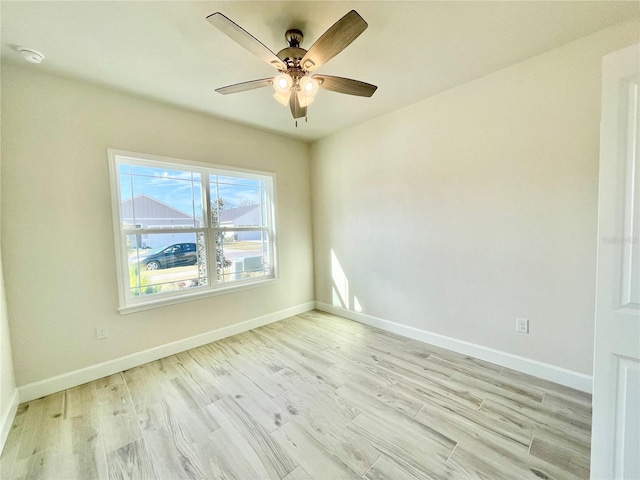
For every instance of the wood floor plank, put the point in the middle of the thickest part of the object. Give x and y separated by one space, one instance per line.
303 352
387 469
409 443
390 419
407 404
249 395
569 408
310 455
568 457
467 464
298 474
12 442
85 463
359 371
568 393
144 387
355 452
304 396
259 374
492 430
332 322
490 389
506 454
375 334
169 447
491 380
166 368
318 419
319 377
409 360
131 461
110 380
439 392
195 423
42 426
44 464
119 424
223 457
271 454
541 420
196 379
82 443
426 350
222 349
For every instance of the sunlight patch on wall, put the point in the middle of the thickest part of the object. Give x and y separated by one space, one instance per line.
339 284
356 305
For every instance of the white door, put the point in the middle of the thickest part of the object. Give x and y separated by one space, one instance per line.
615 440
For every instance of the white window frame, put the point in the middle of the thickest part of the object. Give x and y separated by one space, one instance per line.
129 303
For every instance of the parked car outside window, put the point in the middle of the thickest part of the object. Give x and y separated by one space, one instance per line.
168 256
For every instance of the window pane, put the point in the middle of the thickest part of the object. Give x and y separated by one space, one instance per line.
237 202
245 255
160 198
166 262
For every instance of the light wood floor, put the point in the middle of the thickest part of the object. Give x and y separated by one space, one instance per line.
313 396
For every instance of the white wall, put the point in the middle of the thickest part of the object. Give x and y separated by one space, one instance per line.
57 236
464 211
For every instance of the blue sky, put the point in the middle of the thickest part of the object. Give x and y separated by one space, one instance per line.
182 190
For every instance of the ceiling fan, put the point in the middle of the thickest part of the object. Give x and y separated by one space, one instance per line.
294 85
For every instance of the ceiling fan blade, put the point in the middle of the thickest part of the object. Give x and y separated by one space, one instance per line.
244 86
242 37
345 85
334 40
296 110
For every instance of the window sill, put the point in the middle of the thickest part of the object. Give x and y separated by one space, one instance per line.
187 297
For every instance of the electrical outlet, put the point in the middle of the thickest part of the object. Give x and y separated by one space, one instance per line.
102 332
522 325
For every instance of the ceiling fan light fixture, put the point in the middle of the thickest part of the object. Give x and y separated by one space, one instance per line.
282 83
303 99
282 98
309 86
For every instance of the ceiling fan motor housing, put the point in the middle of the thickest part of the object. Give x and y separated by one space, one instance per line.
294 37
293 54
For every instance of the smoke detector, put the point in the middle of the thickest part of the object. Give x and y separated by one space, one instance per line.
30 56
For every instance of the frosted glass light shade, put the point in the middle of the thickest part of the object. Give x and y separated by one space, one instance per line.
309 86
282 83
303 99
283 98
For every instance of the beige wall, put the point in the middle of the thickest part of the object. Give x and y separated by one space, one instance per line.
7 379
471 208
57 238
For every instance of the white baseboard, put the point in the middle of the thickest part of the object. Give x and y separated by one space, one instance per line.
555 374
58 383
7 418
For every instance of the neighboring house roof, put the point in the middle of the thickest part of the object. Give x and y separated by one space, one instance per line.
229 215
148 207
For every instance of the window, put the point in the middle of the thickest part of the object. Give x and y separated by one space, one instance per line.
185 229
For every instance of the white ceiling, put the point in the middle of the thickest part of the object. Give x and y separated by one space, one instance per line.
411 50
